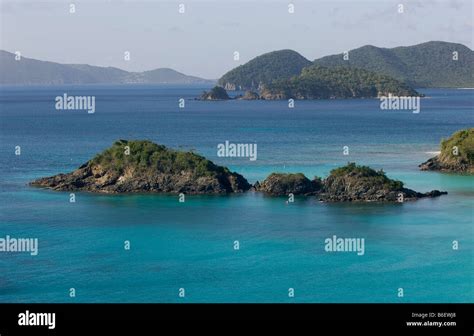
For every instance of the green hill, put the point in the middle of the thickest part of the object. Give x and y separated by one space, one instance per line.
457 154
428 64
264 69
316 82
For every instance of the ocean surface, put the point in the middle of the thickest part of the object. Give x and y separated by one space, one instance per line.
190 245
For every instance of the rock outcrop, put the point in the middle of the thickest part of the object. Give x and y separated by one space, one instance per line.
359 183
457 154
143 166
350 183
250 95
278 184
216 93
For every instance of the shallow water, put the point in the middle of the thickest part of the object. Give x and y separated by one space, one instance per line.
191 245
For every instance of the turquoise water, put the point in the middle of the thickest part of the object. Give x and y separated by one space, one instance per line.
191 245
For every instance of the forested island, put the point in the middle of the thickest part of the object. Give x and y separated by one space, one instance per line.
350 183
142 166
429 64
456 154
316 82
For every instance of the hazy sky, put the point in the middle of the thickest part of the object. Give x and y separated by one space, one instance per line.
202 41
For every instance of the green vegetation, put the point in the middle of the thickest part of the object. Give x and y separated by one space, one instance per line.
292 178
265 69
316 82
459 148
216 93
288 178
283 183
366 174
428 64
146 155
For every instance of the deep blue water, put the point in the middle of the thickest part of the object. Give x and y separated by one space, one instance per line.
190 245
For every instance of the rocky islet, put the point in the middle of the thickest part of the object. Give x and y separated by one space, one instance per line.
145 167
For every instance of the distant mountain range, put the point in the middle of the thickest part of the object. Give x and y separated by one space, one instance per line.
29 71
429 64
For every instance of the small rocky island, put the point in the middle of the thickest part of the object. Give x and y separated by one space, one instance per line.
219 93
280 184
350 183
456 156
143 166
216 93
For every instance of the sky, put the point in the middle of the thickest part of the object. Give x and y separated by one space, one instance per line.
203 40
